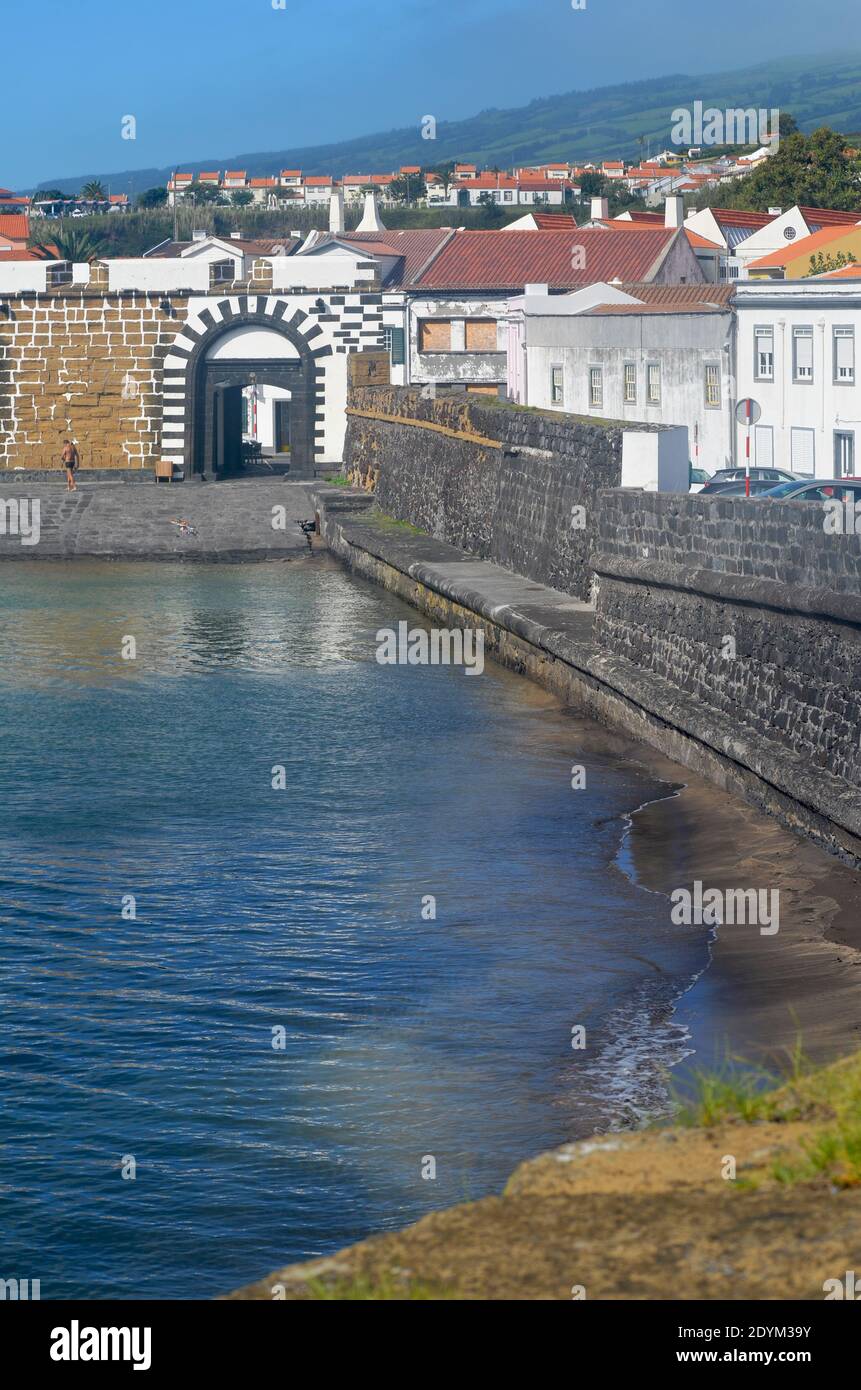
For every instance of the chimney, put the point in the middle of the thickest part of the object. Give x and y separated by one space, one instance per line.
198 236
371 221
600 209
336 212
674 211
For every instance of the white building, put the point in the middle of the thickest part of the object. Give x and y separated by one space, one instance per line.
655 354
797 359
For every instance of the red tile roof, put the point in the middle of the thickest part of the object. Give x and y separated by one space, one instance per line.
554 221
317 180
508 260
829 217
417 247
846 272
14 226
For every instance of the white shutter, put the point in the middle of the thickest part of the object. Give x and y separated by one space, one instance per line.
803 445
844 354
764 441
803 354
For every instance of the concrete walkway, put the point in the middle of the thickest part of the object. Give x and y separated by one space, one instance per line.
231 520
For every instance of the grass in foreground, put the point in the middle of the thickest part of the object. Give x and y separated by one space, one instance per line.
830 1096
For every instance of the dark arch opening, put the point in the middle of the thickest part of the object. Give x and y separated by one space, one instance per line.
213 418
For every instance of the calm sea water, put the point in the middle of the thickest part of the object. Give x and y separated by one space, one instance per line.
296 909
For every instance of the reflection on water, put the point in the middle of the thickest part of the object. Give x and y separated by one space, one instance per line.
295 910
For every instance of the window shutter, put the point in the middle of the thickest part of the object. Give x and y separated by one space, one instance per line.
398 347
844 352
803 452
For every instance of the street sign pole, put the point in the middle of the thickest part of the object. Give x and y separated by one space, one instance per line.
747 412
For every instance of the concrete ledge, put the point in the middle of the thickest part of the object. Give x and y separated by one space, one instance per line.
546 635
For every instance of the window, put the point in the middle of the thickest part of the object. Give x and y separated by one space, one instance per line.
653 373
557 390
844 356
802 354
844 454
803 452
508 196
763 438
395 344
763 354
435 335
480 335
221 272
630 383
596 387
713 386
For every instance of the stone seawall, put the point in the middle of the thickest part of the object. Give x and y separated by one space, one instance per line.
752 610
643 666
490 478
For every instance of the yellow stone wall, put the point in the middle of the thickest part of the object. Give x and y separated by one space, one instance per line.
87 365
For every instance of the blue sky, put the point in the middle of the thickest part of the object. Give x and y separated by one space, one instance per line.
212 78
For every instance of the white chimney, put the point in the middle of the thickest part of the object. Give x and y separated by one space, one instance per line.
371 221
198 236
536 289
674 211
600 209
336 212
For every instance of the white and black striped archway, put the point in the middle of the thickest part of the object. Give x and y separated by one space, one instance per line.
194 382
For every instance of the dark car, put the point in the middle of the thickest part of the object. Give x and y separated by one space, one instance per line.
818 490
726 477
760 487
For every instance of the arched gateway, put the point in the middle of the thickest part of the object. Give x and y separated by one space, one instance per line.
218 351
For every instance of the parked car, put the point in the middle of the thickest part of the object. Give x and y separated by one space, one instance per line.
759 487
774 476
818 490
699 478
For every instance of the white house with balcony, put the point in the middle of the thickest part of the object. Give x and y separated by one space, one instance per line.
797 350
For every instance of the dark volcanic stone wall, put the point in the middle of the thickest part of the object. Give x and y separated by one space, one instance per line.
512 504
679 576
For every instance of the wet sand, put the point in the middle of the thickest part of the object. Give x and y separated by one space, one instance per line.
760 994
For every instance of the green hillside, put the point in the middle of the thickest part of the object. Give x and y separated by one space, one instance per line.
620 121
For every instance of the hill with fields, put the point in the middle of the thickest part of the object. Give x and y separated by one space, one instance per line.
608 122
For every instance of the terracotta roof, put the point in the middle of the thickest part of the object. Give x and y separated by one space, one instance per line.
262 183
846 272
554 221
22 254
291 173
720 295
682 307
417 247
15 226
805 246
829 217
702 241
317 180
508 260
734 217
234 174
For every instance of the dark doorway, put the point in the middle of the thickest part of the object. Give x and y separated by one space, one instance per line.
282 427
213 433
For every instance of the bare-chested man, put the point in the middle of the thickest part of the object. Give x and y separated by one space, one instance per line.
70 460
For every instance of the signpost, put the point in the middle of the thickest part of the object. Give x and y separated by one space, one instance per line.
747 412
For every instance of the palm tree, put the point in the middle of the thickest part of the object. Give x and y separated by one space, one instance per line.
70 246
94 191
